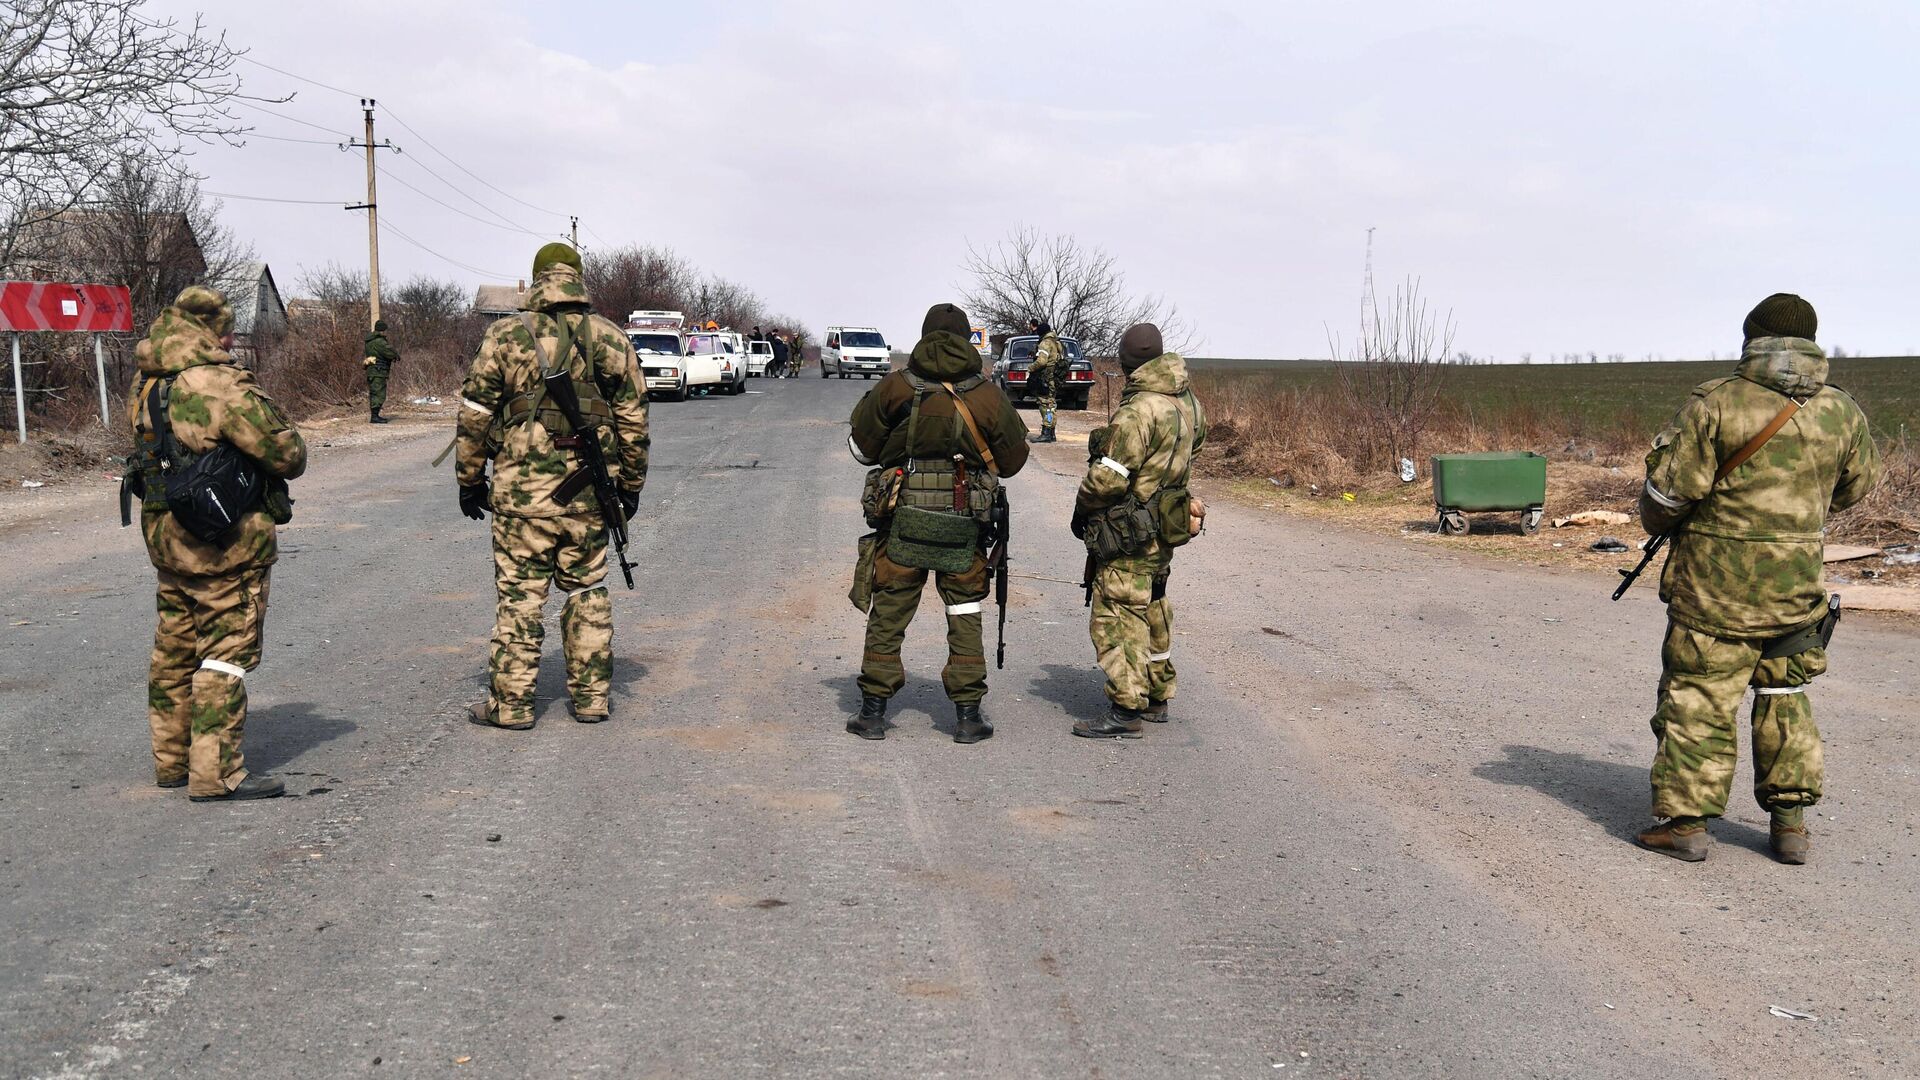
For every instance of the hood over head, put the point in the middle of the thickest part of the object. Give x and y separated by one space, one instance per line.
557 284
945 317
187 333
945 356
1794 366
1164 374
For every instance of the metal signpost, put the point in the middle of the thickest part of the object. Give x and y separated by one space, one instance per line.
38 306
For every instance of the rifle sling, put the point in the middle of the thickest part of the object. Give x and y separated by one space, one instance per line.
1742 455
973 429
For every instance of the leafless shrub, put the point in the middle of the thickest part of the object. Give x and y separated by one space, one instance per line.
1891 514
1394 374
1080 290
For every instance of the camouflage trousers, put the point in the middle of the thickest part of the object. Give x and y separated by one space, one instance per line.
896 597
529 555
1132 629
1702 680
207 639
1045 383
376 385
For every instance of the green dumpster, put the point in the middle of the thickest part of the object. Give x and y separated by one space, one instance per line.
1492 481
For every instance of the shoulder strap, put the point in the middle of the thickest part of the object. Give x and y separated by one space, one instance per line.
966 414
160 415
1754 444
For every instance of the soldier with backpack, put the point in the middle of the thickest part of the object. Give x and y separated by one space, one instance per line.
213 454
941 438
548 527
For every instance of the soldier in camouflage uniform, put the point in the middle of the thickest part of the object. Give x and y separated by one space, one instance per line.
506 417
379 364
1049 361
947 369
211 597
1149 447
1742 581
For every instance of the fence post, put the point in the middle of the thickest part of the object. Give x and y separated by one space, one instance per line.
100 373
19 389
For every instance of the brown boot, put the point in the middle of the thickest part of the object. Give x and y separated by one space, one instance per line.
1685 839
1790 841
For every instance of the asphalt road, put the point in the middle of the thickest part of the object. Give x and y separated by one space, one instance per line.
1388 833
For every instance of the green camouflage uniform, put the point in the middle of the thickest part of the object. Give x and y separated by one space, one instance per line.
879 437
1745 569
1049 362
1157 429
379 359
211 598
537 542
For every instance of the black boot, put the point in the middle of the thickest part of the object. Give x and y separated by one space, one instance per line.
377 418
1116 723
872 721
968 727
255 786
1155 712
1046 435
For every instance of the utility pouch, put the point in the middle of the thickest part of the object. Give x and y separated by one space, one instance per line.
206 493
881 495
1815 636
861 594
1122 530
935 540
1173 507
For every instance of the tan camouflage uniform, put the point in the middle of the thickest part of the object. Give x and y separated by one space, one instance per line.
1049 365
536 542
211 598
1745 569
1157 429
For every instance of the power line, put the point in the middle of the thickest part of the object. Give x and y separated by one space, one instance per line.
295 119
291 75
396 119
269 198
456 189
463 213
392 228
288 138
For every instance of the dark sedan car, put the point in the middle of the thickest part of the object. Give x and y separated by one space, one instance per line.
1010 371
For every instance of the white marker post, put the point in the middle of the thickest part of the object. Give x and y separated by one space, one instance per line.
19 390
100 373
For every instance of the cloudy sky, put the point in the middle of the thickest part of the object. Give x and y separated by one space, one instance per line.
1628 177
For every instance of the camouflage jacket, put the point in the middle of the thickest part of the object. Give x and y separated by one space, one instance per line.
1048 352
527 466
1746 563
879 435
380 351
1157 429
213 399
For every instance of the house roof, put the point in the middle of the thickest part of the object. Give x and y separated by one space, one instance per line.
497 299
252 293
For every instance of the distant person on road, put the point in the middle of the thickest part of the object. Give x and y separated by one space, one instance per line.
1745 476
1132 510
506 418
780 353
942 438
191 398
1049 358
379 365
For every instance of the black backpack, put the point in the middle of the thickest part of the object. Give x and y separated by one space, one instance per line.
207 493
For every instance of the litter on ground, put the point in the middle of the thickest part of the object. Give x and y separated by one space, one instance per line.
1592 517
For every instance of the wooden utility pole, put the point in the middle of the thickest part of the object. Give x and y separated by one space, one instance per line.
372 207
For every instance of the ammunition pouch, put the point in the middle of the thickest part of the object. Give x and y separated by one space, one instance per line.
938 540
1816 635
1173 509
861 595
881 495
1127 528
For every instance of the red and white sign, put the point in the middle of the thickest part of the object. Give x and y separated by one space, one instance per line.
53 305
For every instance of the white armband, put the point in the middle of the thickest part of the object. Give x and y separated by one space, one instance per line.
1125 473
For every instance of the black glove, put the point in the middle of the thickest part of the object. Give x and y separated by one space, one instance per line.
473 500
629 504
1078 524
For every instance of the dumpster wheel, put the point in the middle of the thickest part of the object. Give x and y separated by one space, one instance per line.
1530 520
1453 523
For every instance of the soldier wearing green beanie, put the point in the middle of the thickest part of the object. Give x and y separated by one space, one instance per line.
1746 606
378 362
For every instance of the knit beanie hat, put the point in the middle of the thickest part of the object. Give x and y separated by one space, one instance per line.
1140 344
945 317
1781 315
555 252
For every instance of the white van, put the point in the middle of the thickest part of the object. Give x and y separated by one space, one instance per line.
854 350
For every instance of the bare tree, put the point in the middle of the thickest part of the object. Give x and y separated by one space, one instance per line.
1080 290
638 278
85 82
1394 373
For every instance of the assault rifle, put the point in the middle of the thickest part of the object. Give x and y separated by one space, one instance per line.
593 468
1652 548
999 534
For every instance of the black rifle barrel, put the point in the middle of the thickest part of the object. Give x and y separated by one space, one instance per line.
560 388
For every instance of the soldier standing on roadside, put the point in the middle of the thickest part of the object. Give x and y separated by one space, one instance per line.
943 438
1132 510
507 418
379 364
1049 357
1742 584
212 595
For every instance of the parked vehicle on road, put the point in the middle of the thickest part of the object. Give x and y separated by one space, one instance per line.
657 340
714 362
759 355
1010 370
854 350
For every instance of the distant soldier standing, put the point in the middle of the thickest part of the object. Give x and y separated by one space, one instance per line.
943 438
212 595
1132 510
1049 358
507 417
379 364
1746 475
